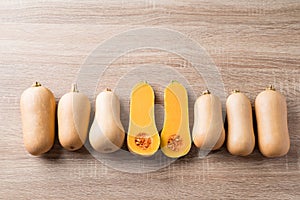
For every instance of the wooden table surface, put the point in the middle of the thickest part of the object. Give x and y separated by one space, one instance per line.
251 43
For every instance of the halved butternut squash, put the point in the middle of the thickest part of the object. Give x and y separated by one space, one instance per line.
142 138
175 136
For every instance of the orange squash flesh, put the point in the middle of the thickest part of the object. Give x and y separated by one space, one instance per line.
175 136
143 138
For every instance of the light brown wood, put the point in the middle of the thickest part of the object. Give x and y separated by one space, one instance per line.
253 44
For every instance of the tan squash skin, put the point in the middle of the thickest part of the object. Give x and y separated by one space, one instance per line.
107 133
38 119
208 130
271 116
240 139
73 116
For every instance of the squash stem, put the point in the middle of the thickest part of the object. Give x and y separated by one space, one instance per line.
74 88
235 91
271 87
205 92
36 84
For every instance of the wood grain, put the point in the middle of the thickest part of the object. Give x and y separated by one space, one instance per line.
252 43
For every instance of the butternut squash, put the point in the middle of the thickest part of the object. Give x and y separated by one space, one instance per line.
107 133
272 125
175 135
142 138
73 116
208 130
240 139
38 105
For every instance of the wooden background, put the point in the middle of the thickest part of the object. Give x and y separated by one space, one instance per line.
253 44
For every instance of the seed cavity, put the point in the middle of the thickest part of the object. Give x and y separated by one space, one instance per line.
143 141
175 142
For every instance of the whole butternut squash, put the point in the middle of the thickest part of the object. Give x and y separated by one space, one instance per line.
272 125
240 138
73 116
208 130
38 105
107 133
